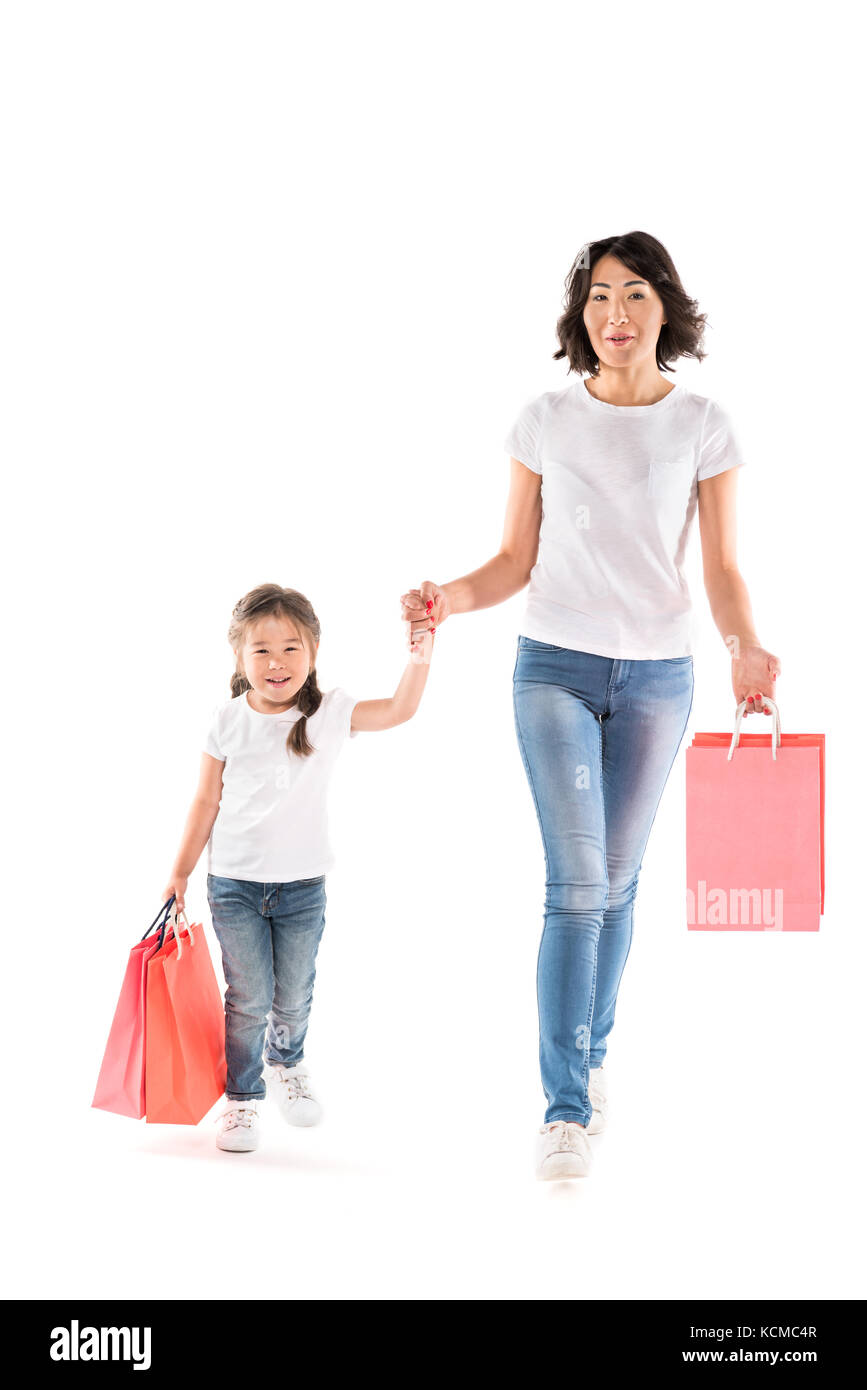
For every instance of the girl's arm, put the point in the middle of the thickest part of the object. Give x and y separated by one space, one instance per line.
754 669
375 715
200 821
500 577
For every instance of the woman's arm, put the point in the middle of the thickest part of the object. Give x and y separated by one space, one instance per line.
500 577
754 669
200 821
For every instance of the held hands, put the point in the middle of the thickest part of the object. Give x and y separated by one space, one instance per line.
176 887
424 610
754 672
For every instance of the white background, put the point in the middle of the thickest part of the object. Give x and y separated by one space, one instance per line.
277 279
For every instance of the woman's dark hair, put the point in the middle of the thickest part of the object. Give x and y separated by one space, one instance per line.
680 336
267 601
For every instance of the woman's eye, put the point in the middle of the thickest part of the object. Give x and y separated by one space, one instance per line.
637 293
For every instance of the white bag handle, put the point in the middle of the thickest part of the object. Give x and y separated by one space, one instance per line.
174 917
775 730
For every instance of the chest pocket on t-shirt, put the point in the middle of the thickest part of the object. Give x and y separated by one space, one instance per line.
670 475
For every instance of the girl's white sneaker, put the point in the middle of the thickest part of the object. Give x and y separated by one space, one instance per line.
290 1087
599 1100
563 1152
239 1126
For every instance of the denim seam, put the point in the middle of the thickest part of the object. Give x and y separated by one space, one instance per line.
608 692
665 780
529 773
629 942
596 942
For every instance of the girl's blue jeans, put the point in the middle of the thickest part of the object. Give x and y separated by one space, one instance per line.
269 934
598 738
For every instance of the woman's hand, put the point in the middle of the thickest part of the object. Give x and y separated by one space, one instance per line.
176 888
754 672
425 609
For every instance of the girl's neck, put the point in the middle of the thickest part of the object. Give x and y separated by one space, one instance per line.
257 701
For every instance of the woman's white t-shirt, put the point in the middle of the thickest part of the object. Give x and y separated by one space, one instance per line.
619 493
272 825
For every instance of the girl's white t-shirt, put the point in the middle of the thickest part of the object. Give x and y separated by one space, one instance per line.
619 493
272 825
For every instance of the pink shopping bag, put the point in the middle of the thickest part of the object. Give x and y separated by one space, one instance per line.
185 1054
120 1086
755 808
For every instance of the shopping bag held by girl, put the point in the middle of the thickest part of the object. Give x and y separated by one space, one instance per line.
185 1057
120 1085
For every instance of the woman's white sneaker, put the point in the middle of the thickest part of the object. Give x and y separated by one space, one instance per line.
291 1088
599 1100
239 1126
563 1151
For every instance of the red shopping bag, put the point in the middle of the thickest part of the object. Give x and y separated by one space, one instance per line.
755 824
185 1057
120 1085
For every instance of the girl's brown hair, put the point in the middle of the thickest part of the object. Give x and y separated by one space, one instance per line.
681 336
271 601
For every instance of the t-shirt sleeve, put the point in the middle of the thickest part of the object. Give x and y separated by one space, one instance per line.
719 445
523 440
344 705
212 740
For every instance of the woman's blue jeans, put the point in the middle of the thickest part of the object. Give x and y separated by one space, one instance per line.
598 737
269 934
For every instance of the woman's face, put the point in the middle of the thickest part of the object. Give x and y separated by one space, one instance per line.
622 304
274 659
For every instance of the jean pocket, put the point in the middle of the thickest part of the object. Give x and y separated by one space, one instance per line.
532 645
215 883
226 894
674 660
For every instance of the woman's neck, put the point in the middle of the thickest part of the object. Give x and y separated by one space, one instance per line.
615 388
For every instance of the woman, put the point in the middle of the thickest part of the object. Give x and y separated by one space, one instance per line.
603 679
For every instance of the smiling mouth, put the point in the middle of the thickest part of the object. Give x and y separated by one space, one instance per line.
621 338
272 680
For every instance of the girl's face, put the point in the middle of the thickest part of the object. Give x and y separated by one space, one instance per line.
621 304
275 661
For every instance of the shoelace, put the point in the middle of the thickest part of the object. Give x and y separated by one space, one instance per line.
243 1116
297 1087
564 1138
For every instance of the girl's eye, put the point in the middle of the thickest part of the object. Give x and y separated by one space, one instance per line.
635 292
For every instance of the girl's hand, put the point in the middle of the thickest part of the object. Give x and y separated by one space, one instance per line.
177 887
425 609
754 672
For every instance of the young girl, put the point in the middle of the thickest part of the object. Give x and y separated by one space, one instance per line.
261 809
